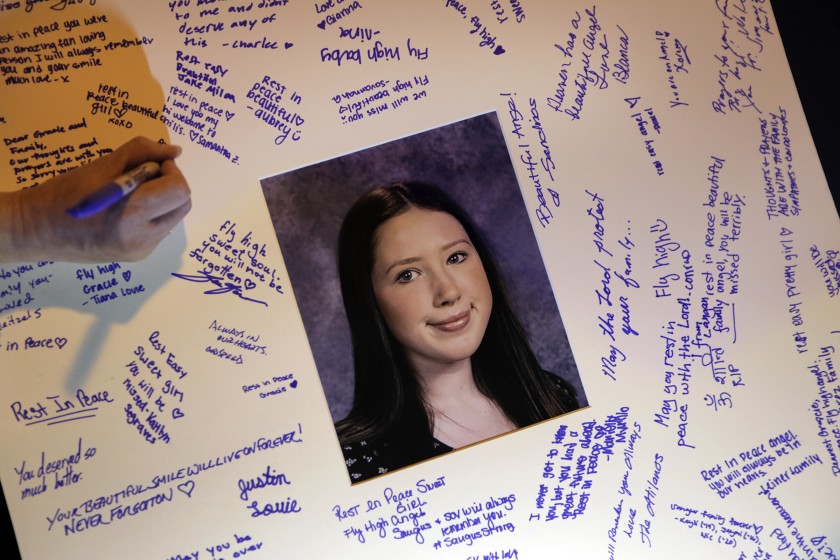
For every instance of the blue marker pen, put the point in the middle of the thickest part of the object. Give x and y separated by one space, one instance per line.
115 191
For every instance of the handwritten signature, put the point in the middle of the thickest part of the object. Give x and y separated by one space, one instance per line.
222 287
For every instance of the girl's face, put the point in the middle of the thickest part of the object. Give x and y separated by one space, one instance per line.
431 287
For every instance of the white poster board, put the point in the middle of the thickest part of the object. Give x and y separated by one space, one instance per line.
677 202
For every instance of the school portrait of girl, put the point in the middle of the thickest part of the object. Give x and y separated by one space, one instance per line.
424 297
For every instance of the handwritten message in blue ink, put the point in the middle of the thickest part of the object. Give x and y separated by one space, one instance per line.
200 103
13 319
334 14
406 91
238 547
585 64
781 189
539 163
153 386
378 52
635 510
517 10
477 520
573 457
136 498
744 27
791 540
647 123
400 513
268 96
233 265
52 473
61 408
80 519
44 153
270 478
117 105
675 62
204 24
476 27
758 464
55 51
276 385
237 340
826 407
102 283
792 291
743 536
19 287
827 264
615 286
704 325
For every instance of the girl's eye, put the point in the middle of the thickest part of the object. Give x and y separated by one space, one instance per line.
456 258
406 276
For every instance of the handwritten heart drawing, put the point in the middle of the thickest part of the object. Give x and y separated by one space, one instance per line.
250 284
127 275
120 112
499 50
176 413
187 488
229 115
289 45
193 135
61 342
323 24
293 384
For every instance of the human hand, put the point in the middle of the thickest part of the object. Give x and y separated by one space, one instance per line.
35 225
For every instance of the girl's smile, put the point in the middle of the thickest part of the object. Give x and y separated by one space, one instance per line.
431 287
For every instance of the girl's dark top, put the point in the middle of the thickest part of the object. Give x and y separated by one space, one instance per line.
366 460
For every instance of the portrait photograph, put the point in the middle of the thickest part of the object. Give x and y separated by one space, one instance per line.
424 296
